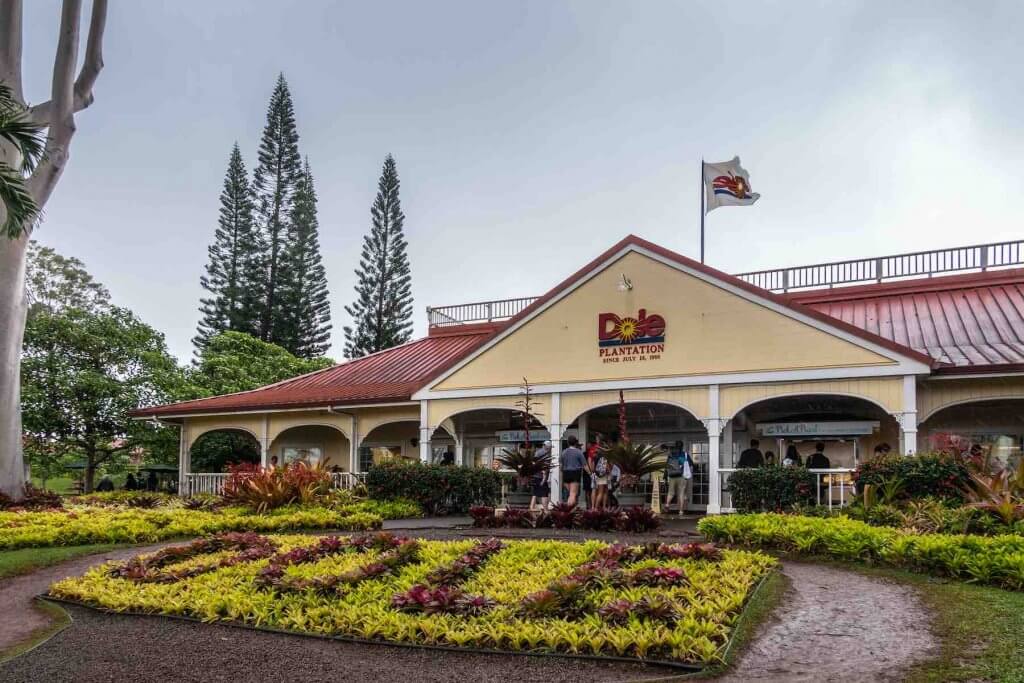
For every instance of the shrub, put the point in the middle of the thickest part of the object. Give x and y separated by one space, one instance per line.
483 516
600 520
637 520
997 560
440 489
266 488
35 499
939 475
771 488
563 516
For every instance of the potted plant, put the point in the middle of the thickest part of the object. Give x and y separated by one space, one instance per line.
526 461
634 461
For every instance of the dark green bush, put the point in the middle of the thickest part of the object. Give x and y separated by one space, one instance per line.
440 489
938 475
771 488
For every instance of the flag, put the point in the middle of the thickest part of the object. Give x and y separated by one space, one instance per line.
727 184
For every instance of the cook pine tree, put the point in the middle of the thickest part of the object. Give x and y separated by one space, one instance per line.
274 181
305 327
233 273
382 312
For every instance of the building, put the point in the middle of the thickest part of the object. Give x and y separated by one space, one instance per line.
906 351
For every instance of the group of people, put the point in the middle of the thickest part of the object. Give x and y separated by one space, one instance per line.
589 472
152 483
753 457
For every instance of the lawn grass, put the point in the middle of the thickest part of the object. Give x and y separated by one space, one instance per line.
25 560
979 629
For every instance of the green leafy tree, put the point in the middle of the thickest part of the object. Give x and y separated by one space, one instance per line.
54 283
382 312
277 173
82 372
306 328
233 361
233 274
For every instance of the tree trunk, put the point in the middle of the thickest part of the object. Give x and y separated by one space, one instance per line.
90 474
12 332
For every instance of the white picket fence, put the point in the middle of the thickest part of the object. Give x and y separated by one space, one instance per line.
213 484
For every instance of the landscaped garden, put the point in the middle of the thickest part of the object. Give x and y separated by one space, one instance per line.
672 603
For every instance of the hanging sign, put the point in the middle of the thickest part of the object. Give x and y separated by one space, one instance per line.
519 435
628 339
848 428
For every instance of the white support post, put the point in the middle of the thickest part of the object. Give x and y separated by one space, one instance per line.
581 428
265 442
556 428
425 433
184 461
908 418
353 446
714 427
460 449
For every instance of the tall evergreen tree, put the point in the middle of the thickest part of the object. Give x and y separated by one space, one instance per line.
234 274
306 326
277 172
382 311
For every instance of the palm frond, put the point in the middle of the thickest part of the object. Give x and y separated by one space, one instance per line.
22 211
26 138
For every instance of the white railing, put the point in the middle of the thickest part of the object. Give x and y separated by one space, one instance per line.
833 487
213 484
481 312
979 257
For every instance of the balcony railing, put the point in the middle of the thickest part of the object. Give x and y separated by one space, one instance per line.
482 312
980 257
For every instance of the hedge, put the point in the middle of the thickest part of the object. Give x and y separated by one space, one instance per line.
440 489
771 488
996 560
930 474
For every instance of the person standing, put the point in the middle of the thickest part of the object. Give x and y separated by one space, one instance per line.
602 472
573 464
818 460
588 475
678 474
540 482
792 458
752 456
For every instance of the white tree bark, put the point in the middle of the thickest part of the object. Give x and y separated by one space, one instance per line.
68 95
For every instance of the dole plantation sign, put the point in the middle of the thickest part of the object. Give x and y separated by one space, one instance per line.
629 339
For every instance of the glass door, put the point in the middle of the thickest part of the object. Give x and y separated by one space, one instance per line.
699 486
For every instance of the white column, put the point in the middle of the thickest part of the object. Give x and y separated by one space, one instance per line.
265 442
556 448
353 446
184 461
460 449
908 418
581 428
714 427
425 432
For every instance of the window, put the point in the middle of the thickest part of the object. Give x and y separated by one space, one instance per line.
374 455
311 455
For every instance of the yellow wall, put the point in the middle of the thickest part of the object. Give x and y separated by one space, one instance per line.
887 391
442 409
334 443
249 422
934 395
692 399
708 330
371 418
279 422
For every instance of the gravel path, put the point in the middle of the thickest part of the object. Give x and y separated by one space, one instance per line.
21 616
104 647
836 625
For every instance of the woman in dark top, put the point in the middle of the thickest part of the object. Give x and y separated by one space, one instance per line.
573 464
792 458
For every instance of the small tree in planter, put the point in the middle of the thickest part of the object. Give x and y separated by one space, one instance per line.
526 461
634 461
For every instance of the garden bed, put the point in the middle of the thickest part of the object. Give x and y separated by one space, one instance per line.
670 603
994 560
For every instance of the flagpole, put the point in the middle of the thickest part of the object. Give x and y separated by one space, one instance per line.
701 186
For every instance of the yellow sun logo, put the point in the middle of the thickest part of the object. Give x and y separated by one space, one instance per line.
627 329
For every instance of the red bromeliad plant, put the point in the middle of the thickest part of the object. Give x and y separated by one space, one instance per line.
326 546
149 569
442 600
265 488
406 552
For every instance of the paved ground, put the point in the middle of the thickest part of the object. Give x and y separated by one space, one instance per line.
836 625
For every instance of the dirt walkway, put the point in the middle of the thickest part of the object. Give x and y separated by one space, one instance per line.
21 617
837 625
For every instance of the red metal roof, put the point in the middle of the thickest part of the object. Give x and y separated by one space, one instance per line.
969 323
388 376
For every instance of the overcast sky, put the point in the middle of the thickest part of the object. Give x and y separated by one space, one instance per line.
530 136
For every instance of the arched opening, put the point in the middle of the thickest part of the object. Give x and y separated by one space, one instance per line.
996 425
665 425
482 434
400 441
213 451
851 428
312 444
